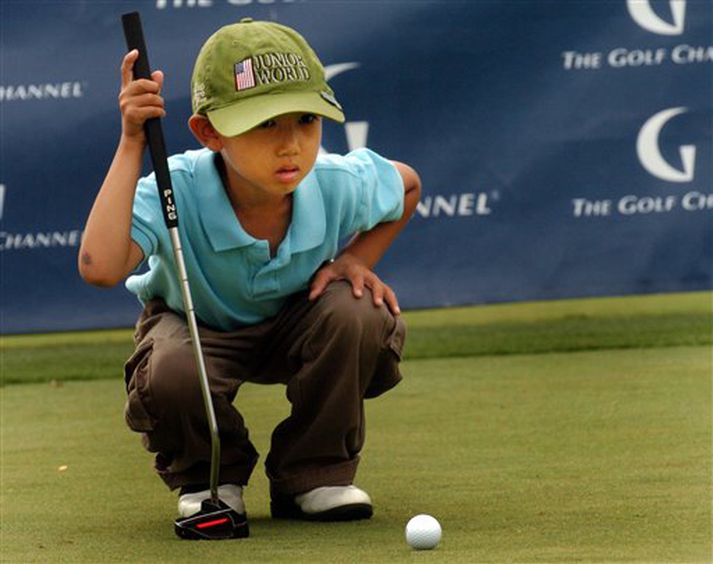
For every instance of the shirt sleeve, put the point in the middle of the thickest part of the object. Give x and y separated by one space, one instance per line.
376 192
146 216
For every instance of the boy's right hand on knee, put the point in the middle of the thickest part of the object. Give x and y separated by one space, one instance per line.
139 100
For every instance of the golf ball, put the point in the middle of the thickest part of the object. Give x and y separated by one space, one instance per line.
423 532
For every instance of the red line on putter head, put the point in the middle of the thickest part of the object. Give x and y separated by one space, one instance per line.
213 523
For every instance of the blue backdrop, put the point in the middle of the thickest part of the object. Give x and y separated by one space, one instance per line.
565 147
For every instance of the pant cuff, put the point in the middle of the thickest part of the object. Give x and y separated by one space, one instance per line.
200 474
341 474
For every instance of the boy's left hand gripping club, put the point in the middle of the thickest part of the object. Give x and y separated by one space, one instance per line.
154 133
215 520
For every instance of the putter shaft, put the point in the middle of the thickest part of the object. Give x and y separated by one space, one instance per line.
200 362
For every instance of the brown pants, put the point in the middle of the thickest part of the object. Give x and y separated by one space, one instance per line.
331 354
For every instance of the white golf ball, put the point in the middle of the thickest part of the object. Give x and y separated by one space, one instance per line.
423 532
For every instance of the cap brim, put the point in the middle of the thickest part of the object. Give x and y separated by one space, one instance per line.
251 112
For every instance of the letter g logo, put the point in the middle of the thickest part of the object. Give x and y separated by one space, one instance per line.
647 148
644 15
356 131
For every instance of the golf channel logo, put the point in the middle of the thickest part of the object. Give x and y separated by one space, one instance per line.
643 14
648 150
356 132
669 21
10 241
176 4
46 91
465 204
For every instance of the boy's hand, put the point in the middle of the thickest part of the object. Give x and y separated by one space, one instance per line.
348 267
139 100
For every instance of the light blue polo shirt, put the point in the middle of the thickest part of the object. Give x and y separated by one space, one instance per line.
234 281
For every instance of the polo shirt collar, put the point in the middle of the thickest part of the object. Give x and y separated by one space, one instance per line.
307 228
309 224
216 212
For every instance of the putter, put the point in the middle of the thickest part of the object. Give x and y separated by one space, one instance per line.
216 520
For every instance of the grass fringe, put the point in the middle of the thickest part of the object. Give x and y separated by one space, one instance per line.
507 329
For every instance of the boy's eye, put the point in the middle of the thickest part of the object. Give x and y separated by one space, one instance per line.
304 119
308 118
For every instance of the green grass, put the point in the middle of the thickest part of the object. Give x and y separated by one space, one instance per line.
536 327
602 454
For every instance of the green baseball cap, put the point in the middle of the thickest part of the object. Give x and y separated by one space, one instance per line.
252 71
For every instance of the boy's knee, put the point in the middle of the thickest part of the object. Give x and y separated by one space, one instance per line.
173 376
348 323
342 310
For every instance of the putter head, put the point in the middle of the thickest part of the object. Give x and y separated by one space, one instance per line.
213 522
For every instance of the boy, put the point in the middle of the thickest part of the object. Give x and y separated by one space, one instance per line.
261 220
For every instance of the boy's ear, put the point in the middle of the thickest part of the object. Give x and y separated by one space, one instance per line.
204 131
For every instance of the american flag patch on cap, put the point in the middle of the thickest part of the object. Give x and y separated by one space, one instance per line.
244 77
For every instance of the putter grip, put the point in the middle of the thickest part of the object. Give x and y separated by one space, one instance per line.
134 35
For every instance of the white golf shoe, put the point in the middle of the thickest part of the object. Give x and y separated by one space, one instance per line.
327 503
190 503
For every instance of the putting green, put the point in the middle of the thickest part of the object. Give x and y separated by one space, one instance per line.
596 455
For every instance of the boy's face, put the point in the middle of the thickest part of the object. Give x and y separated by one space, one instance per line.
274 157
